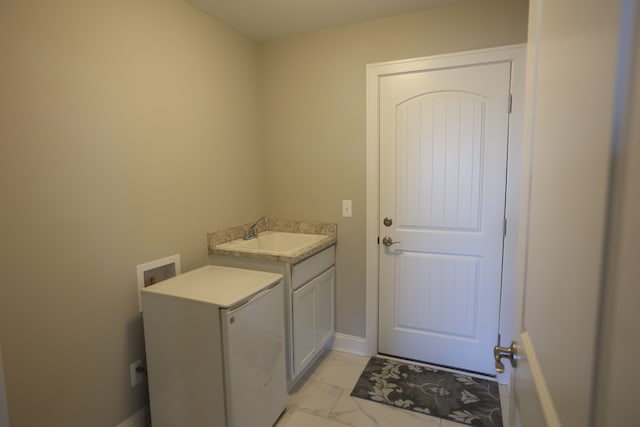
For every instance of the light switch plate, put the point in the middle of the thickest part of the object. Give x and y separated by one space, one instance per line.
346 208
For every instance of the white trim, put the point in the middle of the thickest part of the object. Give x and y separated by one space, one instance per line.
533 53
513 214
514 54
350 344
139 419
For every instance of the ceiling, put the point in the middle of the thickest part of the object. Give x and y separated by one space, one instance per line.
270 19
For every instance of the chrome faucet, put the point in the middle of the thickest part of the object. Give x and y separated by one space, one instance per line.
252 232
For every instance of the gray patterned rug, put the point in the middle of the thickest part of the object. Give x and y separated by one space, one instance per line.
442 394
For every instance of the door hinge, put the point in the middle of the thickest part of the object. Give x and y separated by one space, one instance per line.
504 228
510 103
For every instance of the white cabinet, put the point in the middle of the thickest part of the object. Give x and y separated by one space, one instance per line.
325 307
309 303
313 319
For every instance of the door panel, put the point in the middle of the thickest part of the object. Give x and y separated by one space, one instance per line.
439 161
443 150
446 287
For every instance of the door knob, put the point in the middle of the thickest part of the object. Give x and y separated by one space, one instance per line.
388 242
510 353
387 222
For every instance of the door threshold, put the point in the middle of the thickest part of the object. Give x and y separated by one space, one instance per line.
440 367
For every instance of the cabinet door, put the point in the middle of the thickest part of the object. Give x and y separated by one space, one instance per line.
313 318
304 327
325 315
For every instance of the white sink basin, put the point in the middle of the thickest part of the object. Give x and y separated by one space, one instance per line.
276 243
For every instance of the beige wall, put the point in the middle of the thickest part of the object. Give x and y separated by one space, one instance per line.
124 126
4 412
619 348
313 111
128 130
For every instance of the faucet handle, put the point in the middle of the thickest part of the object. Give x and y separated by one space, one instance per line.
253 229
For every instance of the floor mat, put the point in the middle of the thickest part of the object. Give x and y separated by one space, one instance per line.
456 397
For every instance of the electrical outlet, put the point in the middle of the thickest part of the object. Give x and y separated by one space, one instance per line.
136 377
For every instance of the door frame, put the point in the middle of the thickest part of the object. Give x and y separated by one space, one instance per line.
515 54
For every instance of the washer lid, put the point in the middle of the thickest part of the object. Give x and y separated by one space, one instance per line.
222 286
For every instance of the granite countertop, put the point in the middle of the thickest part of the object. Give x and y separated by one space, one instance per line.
290 226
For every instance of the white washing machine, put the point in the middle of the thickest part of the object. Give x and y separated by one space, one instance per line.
215 348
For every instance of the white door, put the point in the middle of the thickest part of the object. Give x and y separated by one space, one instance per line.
572 129
443 156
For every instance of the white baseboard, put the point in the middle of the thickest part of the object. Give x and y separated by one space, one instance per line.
350 344
139 419
341 342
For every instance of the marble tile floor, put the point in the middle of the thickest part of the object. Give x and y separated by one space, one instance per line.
322 399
